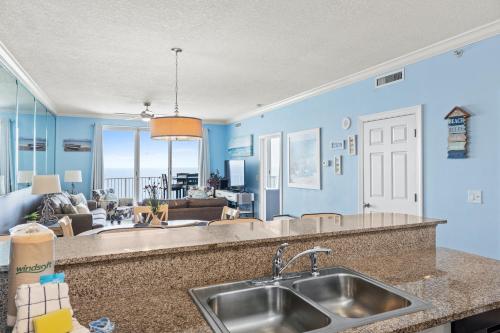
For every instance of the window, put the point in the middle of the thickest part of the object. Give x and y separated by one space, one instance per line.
133 160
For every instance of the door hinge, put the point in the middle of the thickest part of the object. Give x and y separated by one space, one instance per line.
415 132
416 197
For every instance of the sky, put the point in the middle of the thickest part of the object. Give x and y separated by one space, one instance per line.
118 149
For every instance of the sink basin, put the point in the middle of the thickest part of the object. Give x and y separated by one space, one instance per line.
334 301
269 309
350 296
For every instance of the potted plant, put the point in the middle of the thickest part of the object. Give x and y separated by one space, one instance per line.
153 198
32 217
214 180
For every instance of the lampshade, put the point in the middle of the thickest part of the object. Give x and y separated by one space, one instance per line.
73 176
176 128
24 176
46 184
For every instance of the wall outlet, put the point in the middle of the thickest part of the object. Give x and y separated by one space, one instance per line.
475 196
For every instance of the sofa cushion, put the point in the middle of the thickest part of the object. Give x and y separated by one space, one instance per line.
82 208
55 203
68 209
99 213
175 204
77 199
213 202
198 213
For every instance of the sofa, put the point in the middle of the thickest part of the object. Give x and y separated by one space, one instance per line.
92 218
194 209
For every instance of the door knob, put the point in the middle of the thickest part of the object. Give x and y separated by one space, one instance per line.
366 205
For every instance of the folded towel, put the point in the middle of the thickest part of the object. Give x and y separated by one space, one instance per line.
34 300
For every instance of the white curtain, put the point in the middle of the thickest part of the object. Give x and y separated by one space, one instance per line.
97 159
5 157
204 159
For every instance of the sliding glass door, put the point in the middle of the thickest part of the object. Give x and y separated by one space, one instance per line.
133 160
119 161
153 163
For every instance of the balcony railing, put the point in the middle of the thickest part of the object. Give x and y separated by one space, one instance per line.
124 186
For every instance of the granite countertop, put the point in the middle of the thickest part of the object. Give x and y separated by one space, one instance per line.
456 284
142 242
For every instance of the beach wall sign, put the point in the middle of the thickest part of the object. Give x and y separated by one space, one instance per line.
457 133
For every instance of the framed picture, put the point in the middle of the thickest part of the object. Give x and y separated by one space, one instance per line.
304 160
26 144
77 145
241 146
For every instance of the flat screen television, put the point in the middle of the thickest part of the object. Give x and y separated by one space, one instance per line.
235 173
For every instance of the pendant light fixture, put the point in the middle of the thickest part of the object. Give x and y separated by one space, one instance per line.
175 127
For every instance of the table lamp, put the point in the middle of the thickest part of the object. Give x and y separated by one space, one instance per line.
46 185
73 176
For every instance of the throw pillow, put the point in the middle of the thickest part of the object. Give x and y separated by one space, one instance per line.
68 209
77 199
82 208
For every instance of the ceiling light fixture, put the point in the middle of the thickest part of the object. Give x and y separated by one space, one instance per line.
175 127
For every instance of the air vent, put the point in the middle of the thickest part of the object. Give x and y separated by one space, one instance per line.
237 125
390 78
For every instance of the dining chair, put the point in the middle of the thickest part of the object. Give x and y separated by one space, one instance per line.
229 213
66 226
139 210
163 212
236 221
335 217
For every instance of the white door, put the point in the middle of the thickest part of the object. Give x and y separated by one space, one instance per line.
270 176
391 165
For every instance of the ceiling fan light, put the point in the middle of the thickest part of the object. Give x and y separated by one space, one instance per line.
176 128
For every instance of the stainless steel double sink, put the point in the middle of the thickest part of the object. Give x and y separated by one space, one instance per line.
335 300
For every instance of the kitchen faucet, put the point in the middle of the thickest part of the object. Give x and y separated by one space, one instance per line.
279 265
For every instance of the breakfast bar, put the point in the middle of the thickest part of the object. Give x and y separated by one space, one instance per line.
140 279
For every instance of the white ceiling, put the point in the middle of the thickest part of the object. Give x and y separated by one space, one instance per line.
107 56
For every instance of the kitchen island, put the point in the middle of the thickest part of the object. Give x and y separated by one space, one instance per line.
140 279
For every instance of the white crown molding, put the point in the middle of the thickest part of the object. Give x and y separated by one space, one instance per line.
118 117
469 37
10 63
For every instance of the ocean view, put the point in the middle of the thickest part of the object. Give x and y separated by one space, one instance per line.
145 172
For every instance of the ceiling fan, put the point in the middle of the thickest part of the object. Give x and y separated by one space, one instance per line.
145 115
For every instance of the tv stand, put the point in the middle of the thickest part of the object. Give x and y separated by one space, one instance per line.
242 200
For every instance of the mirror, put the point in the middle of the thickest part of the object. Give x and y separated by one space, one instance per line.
51 143
41 139
8 89
26 138
29 124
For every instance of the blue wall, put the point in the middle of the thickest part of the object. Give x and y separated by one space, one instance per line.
438 83
82 128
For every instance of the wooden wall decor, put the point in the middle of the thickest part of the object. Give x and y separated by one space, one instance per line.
457 133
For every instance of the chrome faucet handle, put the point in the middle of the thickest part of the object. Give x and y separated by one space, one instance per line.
278 262
314 258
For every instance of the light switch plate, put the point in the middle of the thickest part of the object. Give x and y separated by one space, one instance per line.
475 196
